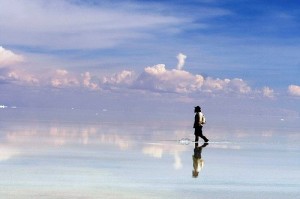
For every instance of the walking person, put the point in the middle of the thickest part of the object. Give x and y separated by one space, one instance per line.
198 124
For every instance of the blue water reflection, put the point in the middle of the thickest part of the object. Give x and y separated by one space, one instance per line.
63 159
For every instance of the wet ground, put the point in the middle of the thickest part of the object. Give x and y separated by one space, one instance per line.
43 158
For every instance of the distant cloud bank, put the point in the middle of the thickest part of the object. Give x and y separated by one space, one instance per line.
155 78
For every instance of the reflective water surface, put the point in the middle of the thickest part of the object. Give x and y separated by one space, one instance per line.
97 158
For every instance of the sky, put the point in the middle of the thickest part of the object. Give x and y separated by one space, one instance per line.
237 55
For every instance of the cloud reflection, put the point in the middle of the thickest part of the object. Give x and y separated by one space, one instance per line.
38 139
31 137
121 141
154 151
7 152
157 151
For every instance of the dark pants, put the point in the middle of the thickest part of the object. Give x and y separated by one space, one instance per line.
198 133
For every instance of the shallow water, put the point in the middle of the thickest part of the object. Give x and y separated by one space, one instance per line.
93 157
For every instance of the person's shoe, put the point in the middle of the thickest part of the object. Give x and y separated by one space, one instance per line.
204 145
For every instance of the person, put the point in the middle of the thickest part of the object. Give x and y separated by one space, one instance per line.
198 162
198 124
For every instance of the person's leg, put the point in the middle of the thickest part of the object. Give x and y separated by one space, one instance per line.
196 135
196 138
202 136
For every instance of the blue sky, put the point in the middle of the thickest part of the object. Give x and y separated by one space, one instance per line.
149 50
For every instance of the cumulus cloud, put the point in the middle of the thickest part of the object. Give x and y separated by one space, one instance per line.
155 78
159 79
181 60
294 90
87 81
8 58
268 92
124 78
156 70
235 85
62 78
21 77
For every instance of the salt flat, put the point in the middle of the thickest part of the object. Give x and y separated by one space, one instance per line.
94 157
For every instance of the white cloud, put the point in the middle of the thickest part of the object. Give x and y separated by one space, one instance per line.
87 81
125 77
22 77
8 58
235 85
156 70
294 90
268 92
239 85
211 84
181 60
62 78
158 79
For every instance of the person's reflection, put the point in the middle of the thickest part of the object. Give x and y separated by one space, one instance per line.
198 162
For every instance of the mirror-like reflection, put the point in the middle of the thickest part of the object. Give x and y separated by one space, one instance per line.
138 160
198 161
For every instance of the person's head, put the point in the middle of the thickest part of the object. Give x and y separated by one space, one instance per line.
197 109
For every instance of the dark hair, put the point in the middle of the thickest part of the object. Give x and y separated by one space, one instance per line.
197 109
